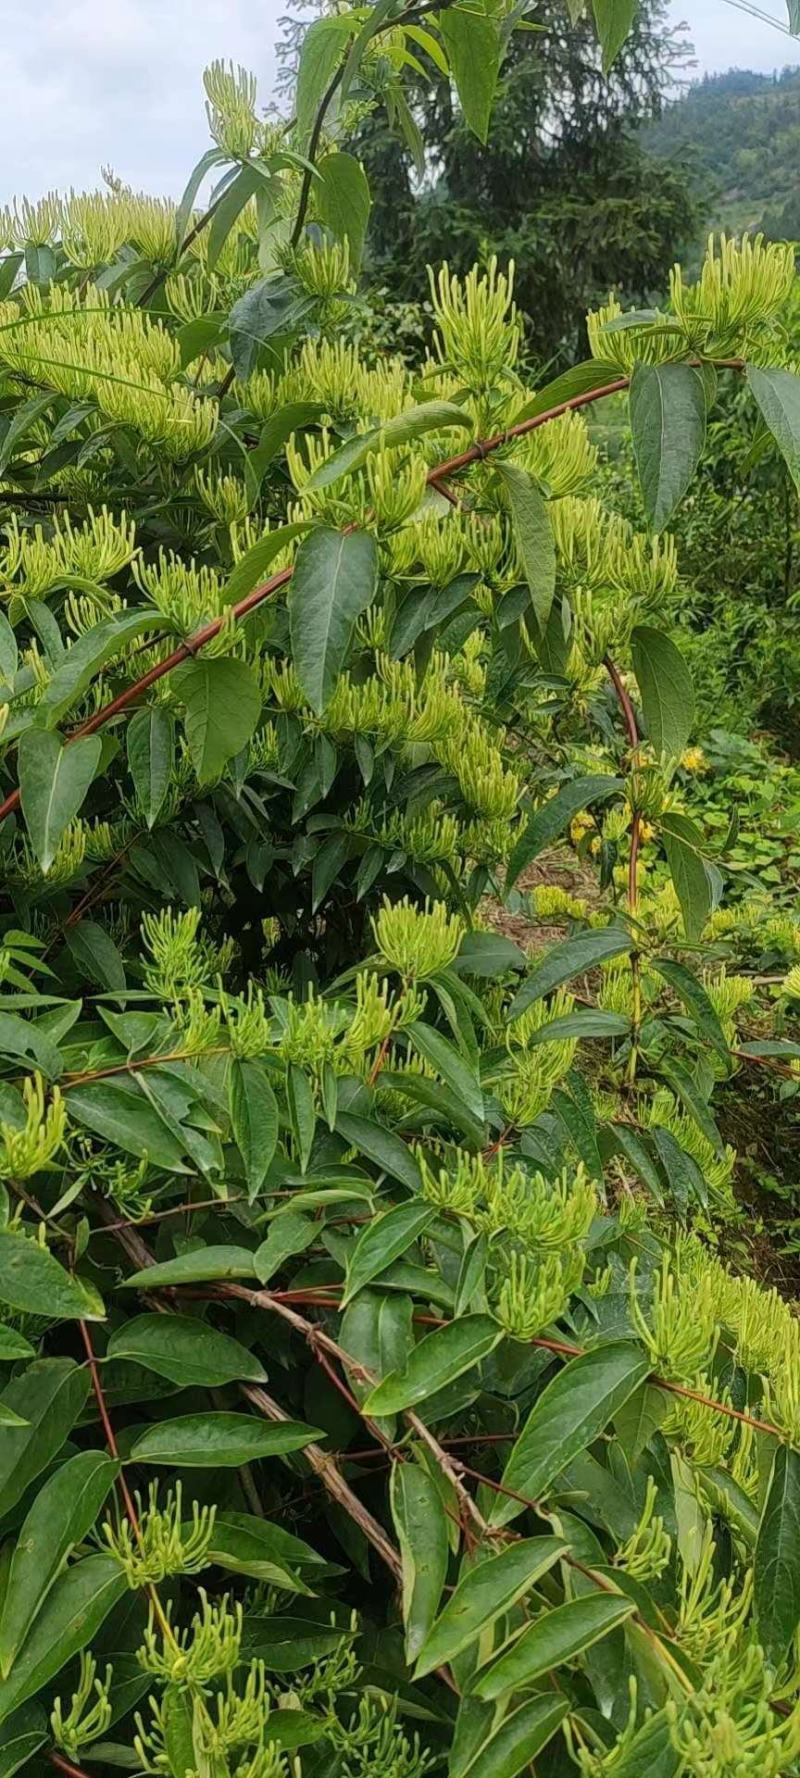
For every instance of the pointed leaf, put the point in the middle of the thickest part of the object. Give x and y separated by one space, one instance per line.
571 957
666 690
421 1526
778 395
151 749
486 1592
50 1395
776 1570
64 1510
472 42
554 1637
333 583
438 1360
533 535
185 1351
254 1119
613 20
384 1240
668 426
342 201
69 1619
34 1283
53 781
550 820
570 1414
198 1267
219 1441
222 704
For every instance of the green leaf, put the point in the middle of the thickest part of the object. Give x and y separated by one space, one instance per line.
290 1232
21 1735
251 566
613 20
403 428
219 1441
185 1351
685 1087
93 950
247 182
246 1545
550 820
71 1616
588 1021
570 957
695 999
222 705
580 380
666 690
342 201
150 741
9 653
201 1266
377 1331
119 1111
33 1282
382 1147
472 42
486 1592
570 1414
444 1057
64 1510
668 426
688 872
90 652
778 395
213 157
438 1360
509 1748
556 1636
321 52
384 1240
14 1345
533 535
53 781
421 1525
254 1119
776 1569
50 1395
333 583
487 954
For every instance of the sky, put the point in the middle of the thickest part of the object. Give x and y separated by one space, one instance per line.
93 82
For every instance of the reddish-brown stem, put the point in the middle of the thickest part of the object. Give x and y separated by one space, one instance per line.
65 1765
108 1430
379 1061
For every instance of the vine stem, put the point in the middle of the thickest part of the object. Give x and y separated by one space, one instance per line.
62 1764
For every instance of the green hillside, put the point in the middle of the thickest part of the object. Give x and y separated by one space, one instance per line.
739 133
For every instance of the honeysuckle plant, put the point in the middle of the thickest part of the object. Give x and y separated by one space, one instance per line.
379 1398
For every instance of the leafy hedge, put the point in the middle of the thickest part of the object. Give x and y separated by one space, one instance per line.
378 1401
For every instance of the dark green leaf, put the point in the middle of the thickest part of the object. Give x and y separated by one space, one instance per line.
198 1267
383 1240
569 1415
333 583
695 999
668 424
185 1351
472 41
64 1510
666 690
571 957
421 1526
222 703
776 1570
342 200
53 782
550 820
438 1359
487 1591
50 1395
689 875
32 1281
151 750
554 1637
219 1441
533 535
254 1119
778 395
72 1614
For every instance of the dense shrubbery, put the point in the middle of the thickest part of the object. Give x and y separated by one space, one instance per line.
380 1398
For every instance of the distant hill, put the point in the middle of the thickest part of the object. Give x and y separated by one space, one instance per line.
739 134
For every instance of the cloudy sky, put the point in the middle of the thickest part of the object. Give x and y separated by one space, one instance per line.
87 82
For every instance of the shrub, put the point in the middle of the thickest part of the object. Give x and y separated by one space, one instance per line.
343 1241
